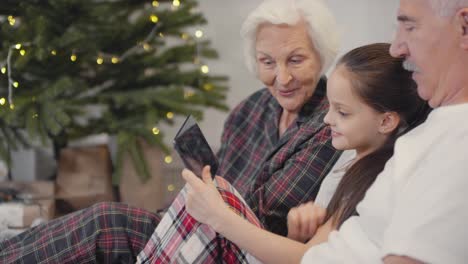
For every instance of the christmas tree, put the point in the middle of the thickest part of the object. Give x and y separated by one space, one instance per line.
73 68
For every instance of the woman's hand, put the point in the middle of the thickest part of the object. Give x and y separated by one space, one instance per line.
203 202
304 220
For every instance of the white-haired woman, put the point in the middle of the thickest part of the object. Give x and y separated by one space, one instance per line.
275 148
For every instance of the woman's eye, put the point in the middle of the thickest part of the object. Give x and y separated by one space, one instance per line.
295 60
266 61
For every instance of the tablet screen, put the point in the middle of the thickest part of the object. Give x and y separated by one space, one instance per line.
193 148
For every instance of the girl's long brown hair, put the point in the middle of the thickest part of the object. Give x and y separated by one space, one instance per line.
382 83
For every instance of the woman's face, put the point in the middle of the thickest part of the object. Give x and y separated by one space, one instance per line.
287 64
354 124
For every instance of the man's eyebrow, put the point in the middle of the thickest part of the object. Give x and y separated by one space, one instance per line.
405 18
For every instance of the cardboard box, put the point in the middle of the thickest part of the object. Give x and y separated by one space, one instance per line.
84 177
39 201
159 191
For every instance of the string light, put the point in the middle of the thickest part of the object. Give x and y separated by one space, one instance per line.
198 33
155 3
35 116
168 159
11 20
189 94
161 34
208 86
154 18
53 52
115 60
16 84
170 115
100 60
73 57
2 101
204 69
176 3
18 46
22 52
171 187
155 130
184 36
12 107
3 70
146 46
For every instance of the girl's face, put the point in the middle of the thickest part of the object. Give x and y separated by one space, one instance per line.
354 124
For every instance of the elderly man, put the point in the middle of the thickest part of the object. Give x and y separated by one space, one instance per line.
417 209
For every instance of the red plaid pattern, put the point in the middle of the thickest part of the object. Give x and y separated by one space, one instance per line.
179 238
103 233
275 174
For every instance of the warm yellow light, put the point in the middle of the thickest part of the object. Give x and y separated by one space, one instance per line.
11 20
208 86
184 36
146 46
155 130
3 70
35 116
99 60
170 115
53 52
16 84
12 106
18 46
154 18
176 3
171 187
155 3
168 159
198 33
161 34
73 57
204 69
115 60
22 52
2 101
189 94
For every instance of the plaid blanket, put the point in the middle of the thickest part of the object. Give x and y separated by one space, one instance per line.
179 238
103 233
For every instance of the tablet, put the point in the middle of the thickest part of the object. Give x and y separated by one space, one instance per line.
193 149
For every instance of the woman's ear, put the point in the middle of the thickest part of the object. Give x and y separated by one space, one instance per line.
462 24
389 122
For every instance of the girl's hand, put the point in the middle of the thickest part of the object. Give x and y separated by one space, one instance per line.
203 202
304 220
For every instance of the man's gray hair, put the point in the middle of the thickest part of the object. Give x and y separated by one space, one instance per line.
321 25
446 8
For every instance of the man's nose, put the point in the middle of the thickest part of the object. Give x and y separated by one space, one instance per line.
399 48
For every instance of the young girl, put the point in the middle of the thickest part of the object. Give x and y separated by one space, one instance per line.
373 101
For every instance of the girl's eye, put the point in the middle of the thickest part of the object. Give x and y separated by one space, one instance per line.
343 114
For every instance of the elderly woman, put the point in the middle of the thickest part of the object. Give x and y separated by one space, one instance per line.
275 150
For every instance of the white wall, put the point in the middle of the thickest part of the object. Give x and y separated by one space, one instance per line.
360 22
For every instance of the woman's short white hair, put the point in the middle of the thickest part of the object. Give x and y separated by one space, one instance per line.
321 25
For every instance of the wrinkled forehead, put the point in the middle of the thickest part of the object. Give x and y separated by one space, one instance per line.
413 9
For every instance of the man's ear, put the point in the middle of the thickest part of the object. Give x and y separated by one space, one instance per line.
462 22
389 122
